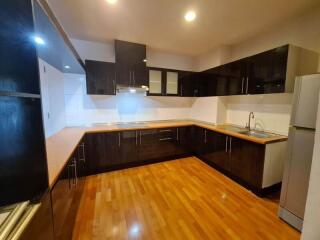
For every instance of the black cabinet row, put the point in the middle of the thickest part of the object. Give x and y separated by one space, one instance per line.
239 159
105 151
271 71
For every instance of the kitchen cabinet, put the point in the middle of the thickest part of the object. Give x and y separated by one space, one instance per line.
199 136
128 146
247 161
130 65
65 196
216 150
184 142
157 144
189 85
267 71
18 55
102 151
100 78
163 82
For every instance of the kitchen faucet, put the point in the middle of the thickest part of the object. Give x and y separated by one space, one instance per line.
251 115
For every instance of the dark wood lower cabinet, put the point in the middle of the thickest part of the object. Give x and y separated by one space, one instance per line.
247 161
65 196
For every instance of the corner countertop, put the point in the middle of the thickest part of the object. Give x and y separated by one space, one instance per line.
61 145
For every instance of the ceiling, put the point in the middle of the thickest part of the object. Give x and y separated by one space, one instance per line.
160 24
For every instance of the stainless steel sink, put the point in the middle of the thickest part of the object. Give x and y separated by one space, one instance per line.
257 134
232 128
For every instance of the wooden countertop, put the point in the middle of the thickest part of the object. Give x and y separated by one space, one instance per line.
61 145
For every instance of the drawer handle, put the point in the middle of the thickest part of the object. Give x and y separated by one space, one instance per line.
166 130
165 139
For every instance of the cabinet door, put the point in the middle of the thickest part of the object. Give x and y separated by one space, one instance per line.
148 144
267 71
247 161
62 196
184 140
18 57
23 167
199 141
81 159
168 140
172 83
235 73
100 78
155 82
217 150
102 151
130 64
188 84
129 146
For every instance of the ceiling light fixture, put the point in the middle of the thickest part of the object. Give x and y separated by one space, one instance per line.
67 67
190 16
112 1
38 40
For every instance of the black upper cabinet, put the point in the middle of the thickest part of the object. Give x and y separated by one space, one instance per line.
131 67
267 71
100 78
189 84
18 57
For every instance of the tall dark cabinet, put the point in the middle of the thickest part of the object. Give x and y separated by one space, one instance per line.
131 69
23 166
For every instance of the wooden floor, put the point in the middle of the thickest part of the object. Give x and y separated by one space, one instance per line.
180 199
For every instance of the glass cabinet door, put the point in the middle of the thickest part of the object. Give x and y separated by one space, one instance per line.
155 82
172 83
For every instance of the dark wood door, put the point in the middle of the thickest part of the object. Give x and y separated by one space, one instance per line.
65 202
18 56
129 146
100 78
199 141
235 73
188 84
247 161
148 144
267 71
102 151
217 150
131 67
184 142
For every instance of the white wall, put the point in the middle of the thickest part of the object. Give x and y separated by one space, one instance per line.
272 111
87 109
53 106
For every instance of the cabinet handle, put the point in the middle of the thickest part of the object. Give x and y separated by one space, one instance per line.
205 136
114 87
119 139
242 85
227 138
165 139
166 130
134 78
181 90
83 159
230 145
136 138
247 85
140 137
177 134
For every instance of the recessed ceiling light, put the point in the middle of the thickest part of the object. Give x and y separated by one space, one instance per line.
144 60
67 67
190 16
112 1
38 40
132 90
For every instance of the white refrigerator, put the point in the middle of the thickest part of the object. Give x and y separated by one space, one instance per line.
298 160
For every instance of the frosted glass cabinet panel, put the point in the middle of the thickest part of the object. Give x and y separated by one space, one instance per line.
172 83
155 82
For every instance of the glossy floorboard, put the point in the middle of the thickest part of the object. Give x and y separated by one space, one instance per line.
180 199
